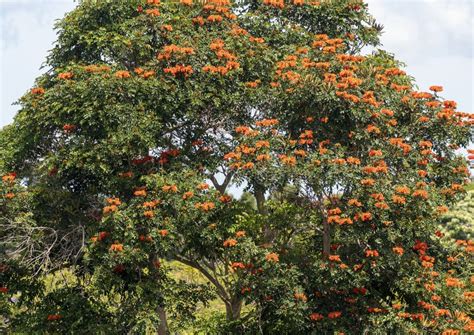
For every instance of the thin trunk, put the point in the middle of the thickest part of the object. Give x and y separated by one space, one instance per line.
163 326
233 309
326 238
259 192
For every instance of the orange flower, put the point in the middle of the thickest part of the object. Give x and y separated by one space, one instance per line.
65 75
398 250
334 258
68 128
163 232
110 209
170 188
8 178
316 316
140 193
398 199
149 214
263 157
371 253
262 144
366 216
367 182
272 257
37 90
203 186
122 74
238 265
225 198
10 195
152 12
334 315
205 206
116 247
113 201
420 194
453 282
188 195
436 88
240 233
300 296
354 202
230 242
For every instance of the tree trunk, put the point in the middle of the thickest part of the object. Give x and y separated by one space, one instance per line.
326 239
259 192
233 309
163 326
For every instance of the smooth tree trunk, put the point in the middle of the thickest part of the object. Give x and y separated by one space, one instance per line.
326 239
163 326
233 309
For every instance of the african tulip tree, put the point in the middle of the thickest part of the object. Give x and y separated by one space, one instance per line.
128 147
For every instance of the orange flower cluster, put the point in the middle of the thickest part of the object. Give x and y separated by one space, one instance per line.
334 258
143 238
186 70
163 232
240 233
122 74
140 193
316 317
371 253
398 200
398 250
272 257
116 247
37 90
152 12
68 128
169 188
301 296
267 123
205 206
145 74
334 315
172 49
65 75
454 282
225 198
9 178
237 265
420 194
218 47
96 68
275 3
230 243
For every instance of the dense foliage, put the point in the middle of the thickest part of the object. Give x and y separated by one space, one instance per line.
126 153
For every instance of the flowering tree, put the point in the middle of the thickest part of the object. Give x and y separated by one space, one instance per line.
127 150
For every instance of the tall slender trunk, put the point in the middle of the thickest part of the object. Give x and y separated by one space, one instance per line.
259 192
326 238
163 326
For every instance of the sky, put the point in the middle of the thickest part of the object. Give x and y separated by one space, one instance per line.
433 37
